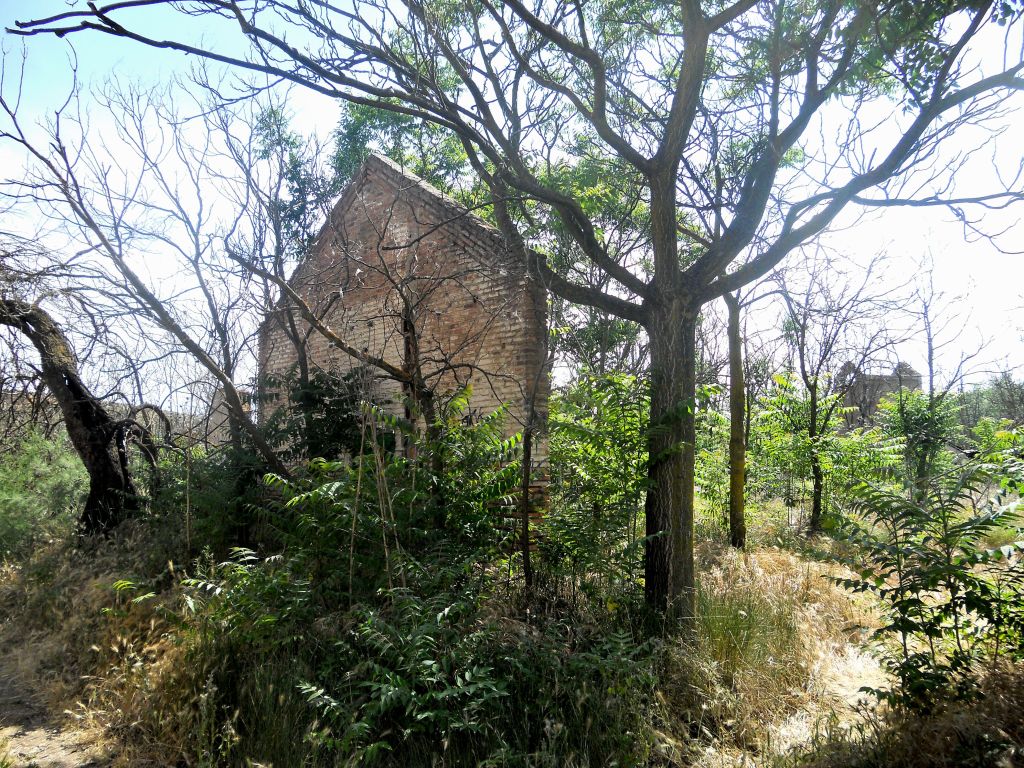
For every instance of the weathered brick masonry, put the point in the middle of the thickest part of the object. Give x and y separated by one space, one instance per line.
397 251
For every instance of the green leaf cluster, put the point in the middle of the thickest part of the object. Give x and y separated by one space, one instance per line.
950 601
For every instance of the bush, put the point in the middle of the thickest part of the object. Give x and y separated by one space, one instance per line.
949 601
42 485
413 679
599 477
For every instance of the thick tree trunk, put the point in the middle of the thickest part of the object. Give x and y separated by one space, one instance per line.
98 439
737 437
668 566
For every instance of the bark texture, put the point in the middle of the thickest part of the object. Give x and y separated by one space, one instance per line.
668 562
99 439
817 473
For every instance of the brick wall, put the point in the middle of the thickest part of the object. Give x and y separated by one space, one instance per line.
395 247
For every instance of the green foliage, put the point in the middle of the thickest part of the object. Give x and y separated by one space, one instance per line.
354 527
383 603
994 436
782 451
928 425
598 449
428 678
309 188
324 420
210 500
260 601
712 459
42 486
949 601
410 669
429 151
598 446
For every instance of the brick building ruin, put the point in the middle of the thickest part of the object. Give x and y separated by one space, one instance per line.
866 390
415 283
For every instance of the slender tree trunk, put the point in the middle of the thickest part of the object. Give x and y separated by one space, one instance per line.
668 565
98 439
817 475
434 432
923 469
817 494
302 371
737 440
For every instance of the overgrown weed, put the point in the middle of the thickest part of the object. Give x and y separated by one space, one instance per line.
388 634
571 683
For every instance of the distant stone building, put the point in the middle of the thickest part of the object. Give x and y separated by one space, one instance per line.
866 390
404 274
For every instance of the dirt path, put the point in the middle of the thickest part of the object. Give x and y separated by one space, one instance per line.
31 738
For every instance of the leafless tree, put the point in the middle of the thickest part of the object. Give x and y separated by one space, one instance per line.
834 324
206 190
941 324
1008 397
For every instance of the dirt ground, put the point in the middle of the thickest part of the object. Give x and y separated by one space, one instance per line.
30 738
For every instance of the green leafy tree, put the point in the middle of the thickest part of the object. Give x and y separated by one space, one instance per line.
701 103
928 427
782 450
42 486
597 448
425 149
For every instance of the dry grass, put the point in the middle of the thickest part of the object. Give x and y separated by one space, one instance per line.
771 628
987 733
91 651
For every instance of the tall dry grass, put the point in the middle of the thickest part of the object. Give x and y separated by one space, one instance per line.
138 669
768 623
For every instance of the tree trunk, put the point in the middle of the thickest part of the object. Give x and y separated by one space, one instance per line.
737 439
668 565
817 475
98 439
817 492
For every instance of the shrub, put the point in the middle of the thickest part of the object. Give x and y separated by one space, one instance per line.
949 602
435 679
41 485
599 477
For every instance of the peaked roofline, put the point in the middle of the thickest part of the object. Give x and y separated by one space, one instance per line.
405 180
